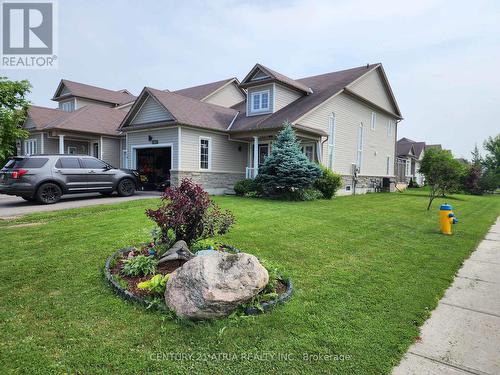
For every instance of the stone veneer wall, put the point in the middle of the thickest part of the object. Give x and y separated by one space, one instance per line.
365 184
213 182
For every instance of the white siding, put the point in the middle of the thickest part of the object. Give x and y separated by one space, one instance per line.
227 96
227 156
373 88
139 138
269 87
111 151
151 111
284 96
349 113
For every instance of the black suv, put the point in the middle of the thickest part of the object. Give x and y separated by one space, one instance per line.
45 178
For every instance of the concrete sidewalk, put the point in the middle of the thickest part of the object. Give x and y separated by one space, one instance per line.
463 334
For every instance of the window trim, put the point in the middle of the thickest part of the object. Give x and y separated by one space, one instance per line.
33 146
359 147
72 104
373 123
388 165
259 94
209 139
332 125
389 127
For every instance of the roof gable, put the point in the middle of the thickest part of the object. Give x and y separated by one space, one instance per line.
151 111
260 74
203 92
375 87
185 110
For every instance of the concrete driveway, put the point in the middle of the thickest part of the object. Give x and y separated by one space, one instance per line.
11 207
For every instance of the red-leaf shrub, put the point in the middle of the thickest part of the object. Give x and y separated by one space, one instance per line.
187 213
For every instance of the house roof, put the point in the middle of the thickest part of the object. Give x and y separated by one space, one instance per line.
186 110
324 86
94 119
92 92
90 119
404 145
200 92
41 116
273 76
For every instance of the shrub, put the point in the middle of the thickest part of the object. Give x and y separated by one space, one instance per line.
286 169
205 245
243 187
156 284
187 213
140 265
328 183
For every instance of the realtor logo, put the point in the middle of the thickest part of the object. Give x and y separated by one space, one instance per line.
28 35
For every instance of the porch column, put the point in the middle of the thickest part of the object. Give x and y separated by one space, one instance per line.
255 155
61 144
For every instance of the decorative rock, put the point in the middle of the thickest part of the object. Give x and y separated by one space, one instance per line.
214 285
180 251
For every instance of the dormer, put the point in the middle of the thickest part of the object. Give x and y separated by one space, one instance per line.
269 91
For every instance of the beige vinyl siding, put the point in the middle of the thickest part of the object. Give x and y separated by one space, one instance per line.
140 138
111 151
373 88
84 102
228 96
226 155
269 87
284 96
349 113
50 144
151 111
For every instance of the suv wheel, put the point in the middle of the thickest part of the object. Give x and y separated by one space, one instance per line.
48 193
126 187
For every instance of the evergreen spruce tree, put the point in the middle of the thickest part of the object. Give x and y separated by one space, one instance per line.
287 171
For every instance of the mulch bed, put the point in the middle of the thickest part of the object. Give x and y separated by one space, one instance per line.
132 281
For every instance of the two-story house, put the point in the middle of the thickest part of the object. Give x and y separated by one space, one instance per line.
222 131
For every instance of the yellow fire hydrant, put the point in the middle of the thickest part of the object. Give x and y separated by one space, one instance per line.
446 218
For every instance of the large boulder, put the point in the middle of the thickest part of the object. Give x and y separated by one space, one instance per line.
214 285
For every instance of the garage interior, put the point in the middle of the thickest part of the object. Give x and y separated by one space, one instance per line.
153 165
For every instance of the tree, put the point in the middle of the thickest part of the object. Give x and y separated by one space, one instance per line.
13 110
490 180
287 171
442 172
476 156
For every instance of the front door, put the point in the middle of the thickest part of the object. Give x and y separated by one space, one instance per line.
95 148
263 153
99 176
71 172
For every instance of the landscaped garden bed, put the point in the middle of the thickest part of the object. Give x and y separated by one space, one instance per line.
185 271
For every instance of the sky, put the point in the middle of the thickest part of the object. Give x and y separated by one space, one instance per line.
441 57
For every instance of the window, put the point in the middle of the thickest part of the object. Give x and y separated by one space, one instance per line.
260 101
72 150
359 159
91 163
373 124
26 163
68 163
331 140
408 167
205 153
389 128
308 150
68 106
388 166
30 147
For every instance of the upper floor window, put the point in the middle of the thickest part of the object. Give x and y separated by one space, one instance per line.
390 125
373 123
205 153
259 101
68 106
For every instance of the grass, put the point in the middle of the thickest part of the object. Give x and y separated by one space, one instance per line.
368 270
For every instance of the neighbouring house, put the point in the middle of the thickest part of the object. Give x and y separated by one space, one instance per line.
409 156
221 132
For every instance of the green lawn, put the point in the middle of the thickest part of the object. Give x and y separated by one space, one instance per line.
367 272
